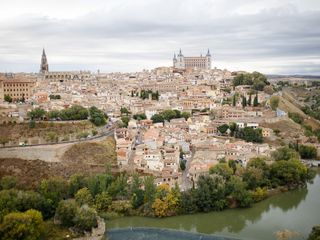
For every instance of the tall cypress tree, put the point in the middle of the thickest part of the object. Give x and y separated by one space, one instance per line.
234 100
244 101
250 100
255 100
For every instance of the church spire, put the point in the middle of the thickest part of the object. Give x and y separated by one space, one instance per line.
44 67
208 53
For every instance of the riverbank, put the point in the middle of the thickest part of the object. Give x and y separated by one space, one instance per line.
297 210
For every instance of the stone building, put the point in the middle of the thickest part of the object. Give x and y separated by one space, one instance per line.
185 63
18 87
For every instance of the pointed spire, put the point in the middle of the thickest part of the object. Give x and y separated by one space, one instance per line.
180 53
174 56
208 53
44 67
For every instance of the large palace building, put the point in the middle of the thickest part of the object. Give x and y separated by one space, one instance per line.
185 63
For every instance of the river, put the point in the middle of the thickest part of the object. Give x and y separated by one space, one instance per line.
297 210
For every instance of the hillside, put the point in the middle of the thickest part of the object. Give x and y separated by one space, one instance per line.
84 158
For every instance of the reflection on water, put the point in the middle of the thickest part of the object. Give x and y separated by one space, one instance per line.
296 210
158 234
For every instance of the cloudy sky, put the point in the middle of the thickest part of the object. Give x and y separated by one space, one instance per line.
271 36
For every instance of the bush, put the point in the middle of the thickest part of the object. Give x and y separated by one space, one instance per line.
97 117
85 219
250 135
25 226
121 207
296 117
315 233
8 182
307 152
285 153
259 194
83 196
66 212
274 102
103 201
15 200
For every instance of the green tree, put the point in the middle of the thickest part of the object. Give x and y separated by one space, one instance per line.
137 194
250 135
66 212
75 112
234 101
233 128
210 193
119 187
83 196
307 152
140 116
76 182
8 182
185 115
223 128
124 110
8 98
97 117
22 226
315 233
296 117
274 102
222 169
125 120
85 218
54 189
103 201
156 118
249 100
284 153
169 114
237 190
255 100
37 113
291 172
244 101
150 189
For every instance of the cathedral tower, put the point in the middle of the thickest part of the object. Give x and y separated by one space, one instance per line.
44 67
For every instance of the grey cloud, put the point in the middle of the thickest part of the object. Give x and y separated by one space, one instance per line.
131 38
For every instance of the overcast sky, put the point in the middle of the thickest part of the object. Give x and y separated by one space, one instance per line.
271 36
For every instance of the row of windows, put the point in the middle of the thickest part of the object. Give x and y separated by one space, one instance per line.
18 94
16 85
15 90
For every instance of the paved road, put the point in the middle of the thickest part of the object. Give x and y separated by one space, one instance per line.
107 133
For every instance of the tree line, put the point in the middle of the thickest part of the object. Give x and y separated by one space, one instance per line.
78 201
75 112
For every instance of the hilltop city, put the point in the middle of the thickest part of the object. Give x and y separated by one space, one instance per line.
179 124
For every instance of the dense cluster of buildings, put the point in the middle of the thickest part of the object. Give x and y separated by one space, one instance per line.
154 148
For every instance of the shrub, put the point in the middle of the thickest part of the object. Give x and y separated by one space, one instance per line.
259 194
25 226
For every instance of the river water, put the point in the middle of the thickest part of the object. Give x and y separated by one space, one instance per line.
296 211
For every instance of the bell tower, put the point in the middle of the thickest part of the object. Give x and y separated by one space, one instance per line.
44 67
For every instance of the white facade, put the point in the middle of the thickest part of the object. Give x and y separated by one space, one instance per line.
182 62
